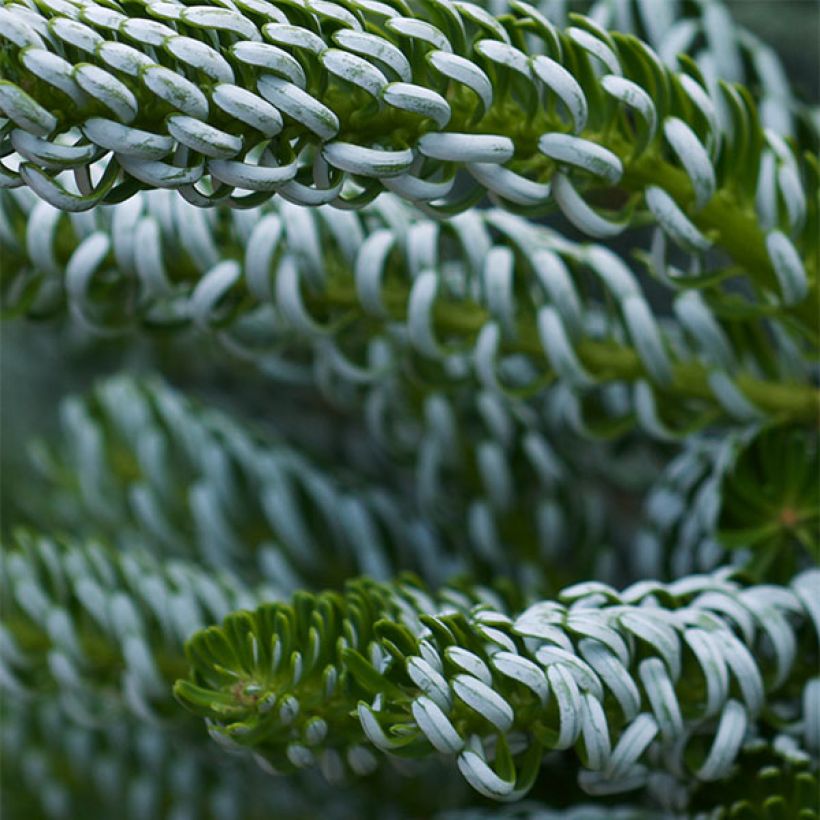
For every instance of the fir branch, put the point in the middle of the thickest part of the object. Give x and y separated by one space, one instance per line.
424 92
659 677
749 499
102 632
155 477
84 727
56 766
502 291
183 479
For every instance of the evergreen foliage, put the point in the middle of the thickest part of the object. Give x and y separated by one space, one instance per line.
441 437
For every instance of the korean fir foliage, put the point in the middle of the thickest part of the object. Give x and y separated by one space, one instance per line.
749 498
91 641
657 686
486 296
104 630
511 496
333 104
181 478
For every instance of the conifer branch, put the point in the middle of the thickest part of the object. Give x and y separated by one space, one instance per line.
489 290
666 678
155 479
302 101
103 632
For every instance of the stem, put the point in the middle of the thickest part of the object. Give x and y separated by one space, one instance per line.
607 361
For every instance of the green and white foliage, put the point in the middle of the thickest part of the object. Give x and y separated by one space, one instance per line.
333 105
486 298
183 479
654 687
749 498
125 768
90 643
103 631
511 484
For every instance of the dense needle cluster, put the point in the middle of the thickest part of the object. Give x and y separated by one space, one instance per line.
490 472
